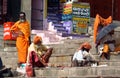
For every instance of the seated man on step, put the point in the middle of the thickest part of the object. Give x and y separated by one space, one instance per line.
38 54
83 57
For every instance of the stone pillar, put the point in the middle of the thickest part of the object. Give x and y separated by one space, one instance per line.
26 7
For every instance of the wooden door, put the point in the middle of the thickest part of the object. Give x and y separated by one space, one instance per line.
116 9
102 7
13 9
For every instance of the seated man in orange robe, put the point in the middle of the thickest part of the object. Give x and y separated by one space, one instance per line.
22 31
99 23
38 54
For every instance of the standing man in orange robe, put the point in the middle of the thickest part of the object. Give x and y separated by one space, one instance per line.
22 31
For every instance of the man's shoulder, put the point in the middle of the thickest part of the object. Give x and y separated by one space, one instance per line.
31 45
27 21
17 22
43 45
79 51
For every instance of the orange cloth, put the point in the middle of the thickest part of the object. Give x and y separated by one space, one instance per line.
99 20
106 48
85 45
37 39
22 42
117 48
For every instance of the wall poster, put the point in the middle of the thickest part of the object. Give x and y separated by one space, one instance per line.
80 17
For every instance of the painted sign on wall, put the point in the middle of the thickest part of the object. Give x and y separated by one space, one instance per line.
80 17
67 11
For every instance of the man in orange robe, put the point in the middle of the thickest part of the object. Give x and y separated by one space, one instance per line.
99 23
22 31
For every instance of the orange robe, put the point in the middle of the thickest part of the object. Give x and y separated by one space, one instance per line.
99 20
22 41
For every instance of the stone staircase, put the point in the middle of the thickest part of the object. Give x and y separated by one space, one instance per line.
62 57
79 72
61 60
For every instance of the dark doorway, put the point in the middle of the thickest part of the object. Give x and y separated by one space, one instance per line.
116 10
104 8
1 11
13 9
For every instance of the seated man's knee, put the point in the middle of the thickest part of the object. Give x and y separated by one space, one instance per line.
51 49
74 63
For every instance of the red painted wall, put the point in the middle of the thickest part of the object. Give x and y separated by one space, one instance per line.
117 9
105 8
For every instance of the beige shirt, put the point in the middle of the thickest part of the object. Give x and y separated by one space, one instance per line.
40 50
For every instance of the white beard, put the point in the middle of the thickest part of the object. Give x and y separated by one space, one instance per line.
22 20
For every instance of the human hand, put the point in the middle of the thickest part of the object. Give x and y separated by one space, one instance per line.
46 64
12 31
20 33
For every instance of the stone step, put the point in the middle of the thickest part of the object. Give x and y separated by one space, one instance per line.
10 48
47 36
61 55
66 60
10 59
1 32
10 62
73 72
71 45
66 45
